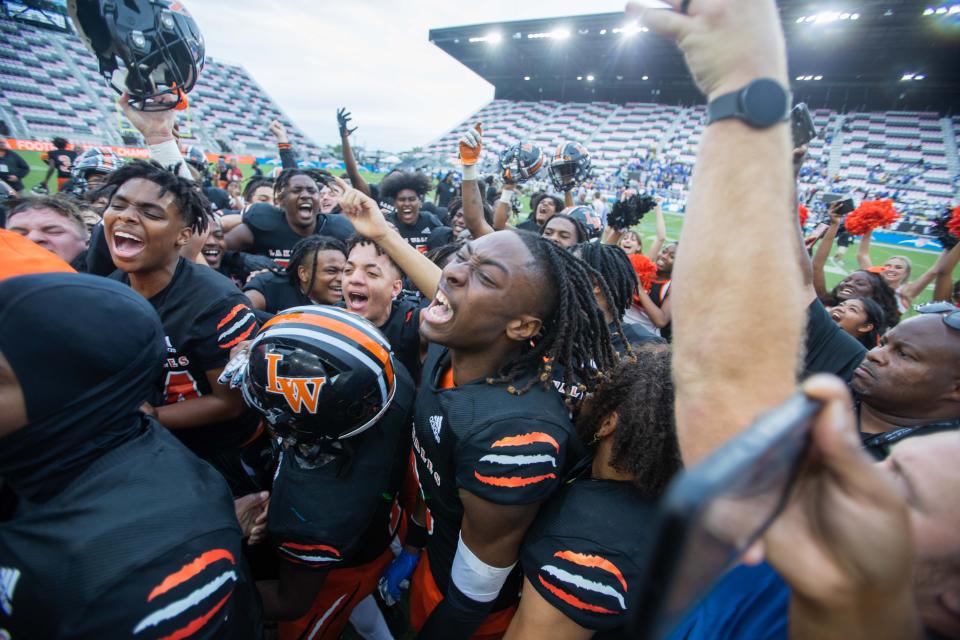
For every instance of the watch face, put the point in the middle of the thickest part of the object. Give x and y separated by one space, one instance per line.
765 102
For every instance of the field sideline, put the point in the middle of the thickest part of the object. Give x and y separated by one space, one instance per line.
922 260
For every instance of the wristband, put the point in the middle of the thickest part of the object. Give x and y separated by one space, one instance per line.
284 145
470 172
506 197
167 155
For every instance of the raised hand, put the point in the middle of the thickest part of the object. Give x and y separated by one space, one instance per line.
343 122
156 127
279 132
471 144
363 211
727 43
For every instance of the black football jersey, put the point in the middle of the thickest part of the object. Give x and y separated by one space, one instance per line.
418 233
277 291
204 316
143 544
586 551
506 449
62 160
273 237
344 513
402 330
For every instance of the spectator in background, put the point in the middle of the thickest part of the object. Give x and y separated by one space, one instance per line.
233 171
257 171
13 168
55 224
599 205
446 190
60 160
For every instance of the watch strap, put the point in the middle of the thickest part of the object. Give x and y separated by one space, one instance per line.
724 107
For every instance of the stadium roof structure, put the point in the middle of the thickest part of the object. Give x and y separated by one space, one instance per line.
850 54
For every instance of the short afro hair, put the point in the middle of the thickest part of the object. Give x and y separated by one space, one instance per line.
397 182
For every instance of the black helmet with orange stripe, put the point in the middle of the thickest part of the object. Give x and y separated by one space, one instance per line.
319 374
570 166
520 162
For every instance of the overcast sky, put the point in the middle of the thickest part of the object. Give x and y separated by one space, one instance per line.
372 56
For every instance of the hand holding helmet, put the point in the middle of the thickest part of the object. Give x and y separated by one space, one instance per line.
520 162
570 166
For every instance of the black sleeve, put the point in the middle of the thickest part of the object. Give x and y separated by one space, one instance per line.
99 261
512 462
221 327
288 160
829 349
20 167
258 283
337 226
262 217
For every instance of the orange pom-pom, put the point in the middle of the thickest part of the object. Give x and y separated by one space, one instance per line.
804 213
870 215
953 225
645 268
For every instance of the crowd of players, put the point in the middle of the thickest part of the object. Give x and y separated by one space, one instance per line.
314 402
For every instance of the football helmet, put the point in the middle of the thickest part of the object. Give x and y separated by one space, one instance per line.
570 166
520 162
102 160
147 47
319 374
587 216
196 158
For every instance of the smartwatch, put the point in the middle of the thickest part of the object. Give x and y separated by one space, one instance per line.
761 104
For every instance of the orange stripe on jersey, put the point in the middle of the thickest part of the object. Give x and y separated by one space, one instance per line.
339 327
527 438
188 571
446 380
596 562
240 338
513 482
233 314
197 624
310 547
573 600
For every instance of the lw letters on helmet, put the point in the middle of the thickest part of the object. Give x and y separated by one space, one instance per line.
299 392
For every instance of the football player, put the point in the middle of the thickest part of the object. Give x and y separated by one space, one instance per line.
273 231
492 439
331 390
60 160
117 530
313 276
151 215
405 190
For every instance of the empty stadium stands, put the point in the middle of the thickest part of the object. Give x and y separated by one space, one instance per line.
50 85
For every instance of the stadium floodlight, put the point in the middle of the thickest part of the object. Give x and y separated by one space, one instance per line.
919 76
560 34
590 78
645 77
526 77
491 38
854 16
928 11
941 11
954 9
579 77
603 32
631 29
906 77
827 17
818 78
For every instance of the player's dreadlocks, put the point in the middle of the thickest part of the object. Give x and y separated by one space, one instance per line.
617 281
582 234
193 206
397 182
640 392
574 335
280 185
613 264
306 250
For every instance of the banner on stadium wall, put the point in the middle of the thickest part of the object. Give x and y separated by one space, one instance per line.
123 152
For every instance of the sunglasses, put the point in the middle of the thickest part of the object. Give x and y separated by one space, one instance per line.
951 314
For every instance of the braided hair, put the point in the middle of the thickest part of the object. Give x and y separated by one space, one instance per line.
613 265
882 294
574 334
582 234
640 392
193 206
307 249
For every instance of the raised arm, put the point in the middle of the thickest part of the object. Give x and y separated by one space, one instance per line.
863 250
368 221
657 244
915 287
287 158
471 144
502 210
823 252
157 129
728 44
343 123
943 289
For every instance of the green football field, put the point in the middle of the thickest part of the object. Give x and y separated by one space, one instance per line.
922 260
